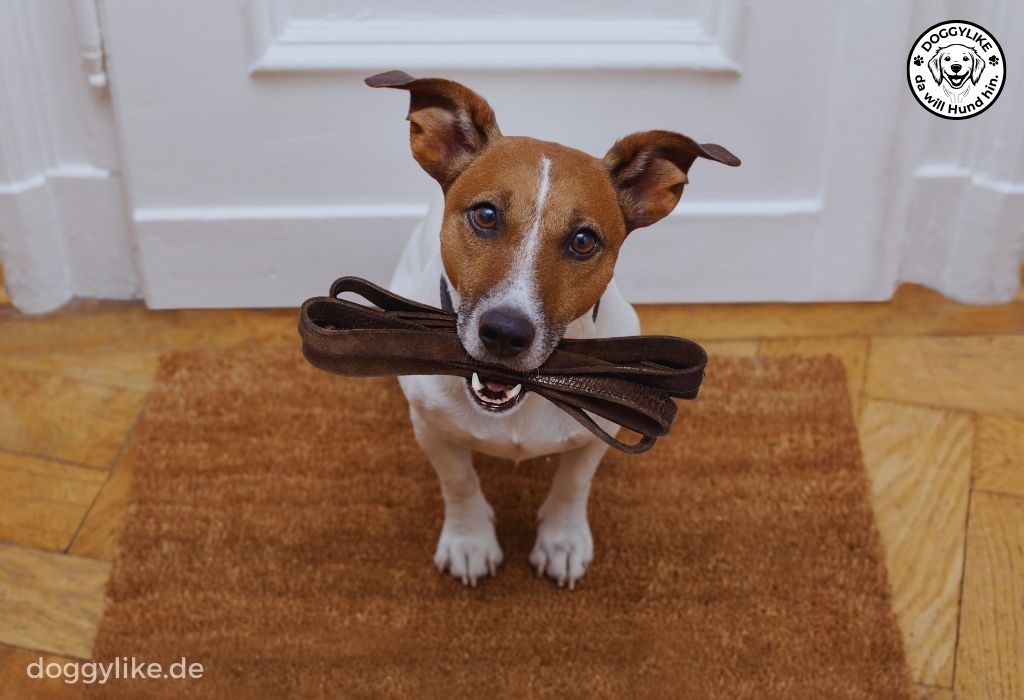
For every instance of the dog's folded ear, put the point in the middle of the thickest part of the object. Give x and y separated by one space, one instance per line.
935 68
977 65
649 170
449 123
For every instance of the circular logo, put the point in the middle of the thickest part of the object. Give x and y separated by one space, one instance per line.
956 70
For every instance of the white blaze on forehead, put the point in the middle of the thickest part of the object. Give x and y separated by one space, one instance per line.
533 236
522 277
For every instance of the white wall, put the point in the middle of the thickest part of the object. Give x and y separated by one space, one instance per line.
257 167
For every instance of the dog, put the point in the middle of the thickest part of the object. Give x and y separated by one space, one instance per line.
522 246
955 65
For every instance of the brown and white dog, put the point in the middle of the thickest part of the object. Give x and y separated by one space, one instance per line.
529 234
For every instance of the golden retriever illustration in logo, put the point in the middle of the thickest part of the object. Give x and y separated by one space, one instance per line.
958 66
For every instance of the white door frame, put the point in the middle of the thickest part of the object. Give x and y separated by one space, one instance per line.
64 225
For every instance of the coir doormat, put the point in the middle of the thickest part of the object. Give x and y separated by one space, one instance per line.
283 523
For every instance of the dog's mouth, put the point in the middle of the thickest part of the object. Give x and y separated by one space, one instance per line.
956 80
494 395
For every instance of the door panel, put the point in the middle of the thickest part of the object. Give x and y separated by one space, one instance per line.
260 167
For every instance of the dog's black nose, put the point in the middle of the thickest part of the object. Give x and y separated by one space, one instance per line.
955 67
506 332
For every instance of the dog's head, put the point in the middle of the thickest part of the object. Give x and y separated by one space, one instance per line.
956 64
532 228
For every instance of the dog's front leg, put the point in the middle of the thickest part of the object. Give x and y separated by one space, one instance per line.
468 547
564 546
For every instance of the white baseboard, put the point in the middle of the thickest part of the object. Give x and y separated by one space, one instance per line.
262 257
964 236
36 271
96 231
64 233
733 251
279 256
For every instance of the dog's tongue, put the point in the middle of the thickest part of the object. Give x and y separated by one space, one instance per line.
496 386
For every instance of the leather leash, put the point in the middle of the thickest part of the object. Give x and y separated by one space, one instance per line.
630 381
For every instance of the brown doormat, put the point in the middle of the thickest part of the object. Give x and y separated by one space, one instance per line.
284 520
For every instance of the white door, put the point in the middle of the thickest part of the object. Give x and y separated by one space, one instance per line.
258 167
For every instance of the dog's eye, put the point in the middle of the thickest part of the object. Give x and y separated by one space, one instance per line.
484 216
947 58
583 243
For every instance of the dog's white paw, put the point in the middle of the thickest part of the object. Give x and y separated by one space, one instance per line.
468 551
564 547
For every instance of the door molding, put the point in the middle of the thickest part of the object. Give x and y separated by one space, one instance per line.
258 249
711 41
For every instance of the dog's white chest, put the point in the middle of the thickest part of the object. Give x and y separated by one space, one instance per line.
534 428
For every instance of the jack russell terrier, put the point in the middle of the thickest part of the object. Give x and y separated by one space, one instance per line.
529 234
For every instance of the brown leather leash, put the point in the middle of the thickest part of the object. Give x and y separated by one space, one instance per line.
630 381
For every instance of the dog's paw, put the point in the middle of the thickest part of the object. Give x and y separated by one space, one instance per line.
468 553
564 547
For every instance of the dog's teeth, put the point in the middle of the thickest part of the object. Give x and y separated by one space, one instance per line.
486 394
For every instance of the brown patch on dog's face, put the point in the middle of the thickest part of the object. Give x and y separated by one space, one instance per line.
532 229
544 195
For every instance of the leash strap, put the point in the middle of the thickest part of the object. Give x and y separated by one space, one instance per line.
630 381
